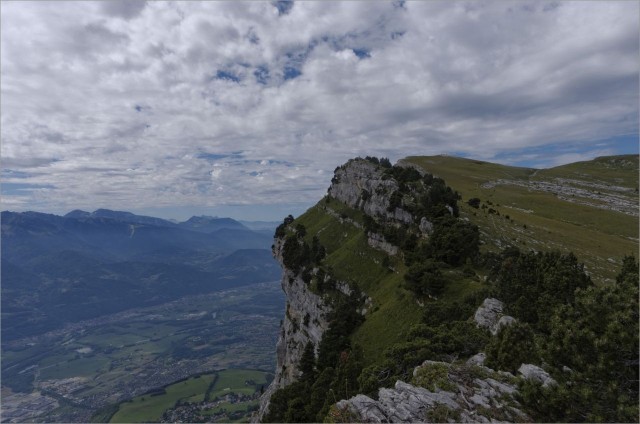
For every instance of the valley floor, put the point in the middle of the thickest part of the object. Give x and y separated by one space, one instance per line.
68 375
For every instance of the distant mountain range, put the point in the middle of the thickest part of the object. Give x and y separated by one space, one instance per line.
59 269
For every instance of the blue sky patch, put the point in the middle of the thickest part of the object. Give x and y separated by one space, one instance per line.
228 76
10 173
217 156
283 6
362 53
262 75
290 72
22 189
399 4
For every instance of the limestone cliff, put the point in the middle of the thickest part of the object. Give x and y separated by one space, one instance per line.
364 185
305 321
379 200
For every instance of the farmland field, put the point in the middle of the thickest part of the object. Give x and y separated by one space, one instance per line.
93 366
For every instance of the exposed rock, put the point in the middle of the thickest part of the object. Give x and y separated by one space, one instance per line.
535 373
477 359
360 184
504 321
294 335
426 227
597 195
377 241
476 394
489 315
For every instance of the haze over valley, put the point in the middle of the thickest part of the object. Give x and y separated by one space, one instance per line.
100 307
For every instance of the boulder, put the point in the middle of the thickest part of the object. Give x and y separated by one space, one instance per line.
535 373
489 315
477 359
426 226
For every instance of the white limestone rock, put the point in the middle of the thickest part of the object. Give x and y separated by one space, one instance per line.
535 373
489 315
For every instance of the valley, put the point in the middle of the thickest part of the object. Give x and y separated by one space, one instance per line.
95 364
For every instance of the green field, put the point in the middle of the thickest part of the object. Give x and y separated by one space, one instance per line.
149 408
539 220
107 361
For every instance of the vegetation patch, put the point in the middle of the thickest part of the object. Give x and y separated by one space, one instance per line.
442 414
434 375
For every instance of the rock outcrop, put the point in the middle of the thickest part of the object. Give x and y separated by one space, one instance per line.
377 241
440 392
489 315
536 374
363 185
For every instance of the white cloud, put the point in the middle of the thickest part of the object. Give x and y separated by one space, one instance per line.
127 103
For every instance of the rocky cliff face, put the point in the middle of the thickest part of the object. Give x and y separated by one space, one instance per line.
363 185
305 321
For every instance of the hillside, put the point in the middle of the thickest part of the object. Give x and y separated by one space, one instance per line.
588 208
387 270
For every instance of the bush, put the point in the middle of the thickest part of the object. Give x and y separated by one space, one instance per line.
474 202
425 279
512 346
454 241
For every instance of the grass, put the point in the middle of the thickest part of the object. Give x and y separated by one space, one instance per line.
351 259
536 221
150 408
616 170
233 380
81 367
598 237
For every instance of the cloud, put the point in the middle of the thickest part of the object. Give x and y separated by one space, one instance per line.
126 9
202 104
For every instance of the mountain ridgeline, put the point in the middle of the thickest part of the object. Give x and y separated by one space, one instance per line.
409 300
57 270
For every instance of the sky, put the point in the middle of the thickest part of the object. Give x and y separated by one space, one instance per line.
244 109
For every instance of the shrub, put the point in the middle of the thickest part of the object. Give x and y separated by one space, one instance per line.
474 202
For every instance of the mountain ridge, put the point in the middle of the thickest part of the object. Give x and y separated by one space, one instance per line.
377 225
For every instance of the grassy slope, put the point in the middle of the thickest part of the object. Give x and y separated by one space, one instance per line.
394 308
598 237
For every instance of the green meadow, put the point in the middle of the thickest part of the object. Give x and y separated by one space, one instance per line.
207 387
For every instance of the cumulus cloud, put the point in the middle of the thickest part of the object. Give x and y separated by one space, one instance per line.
202 104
